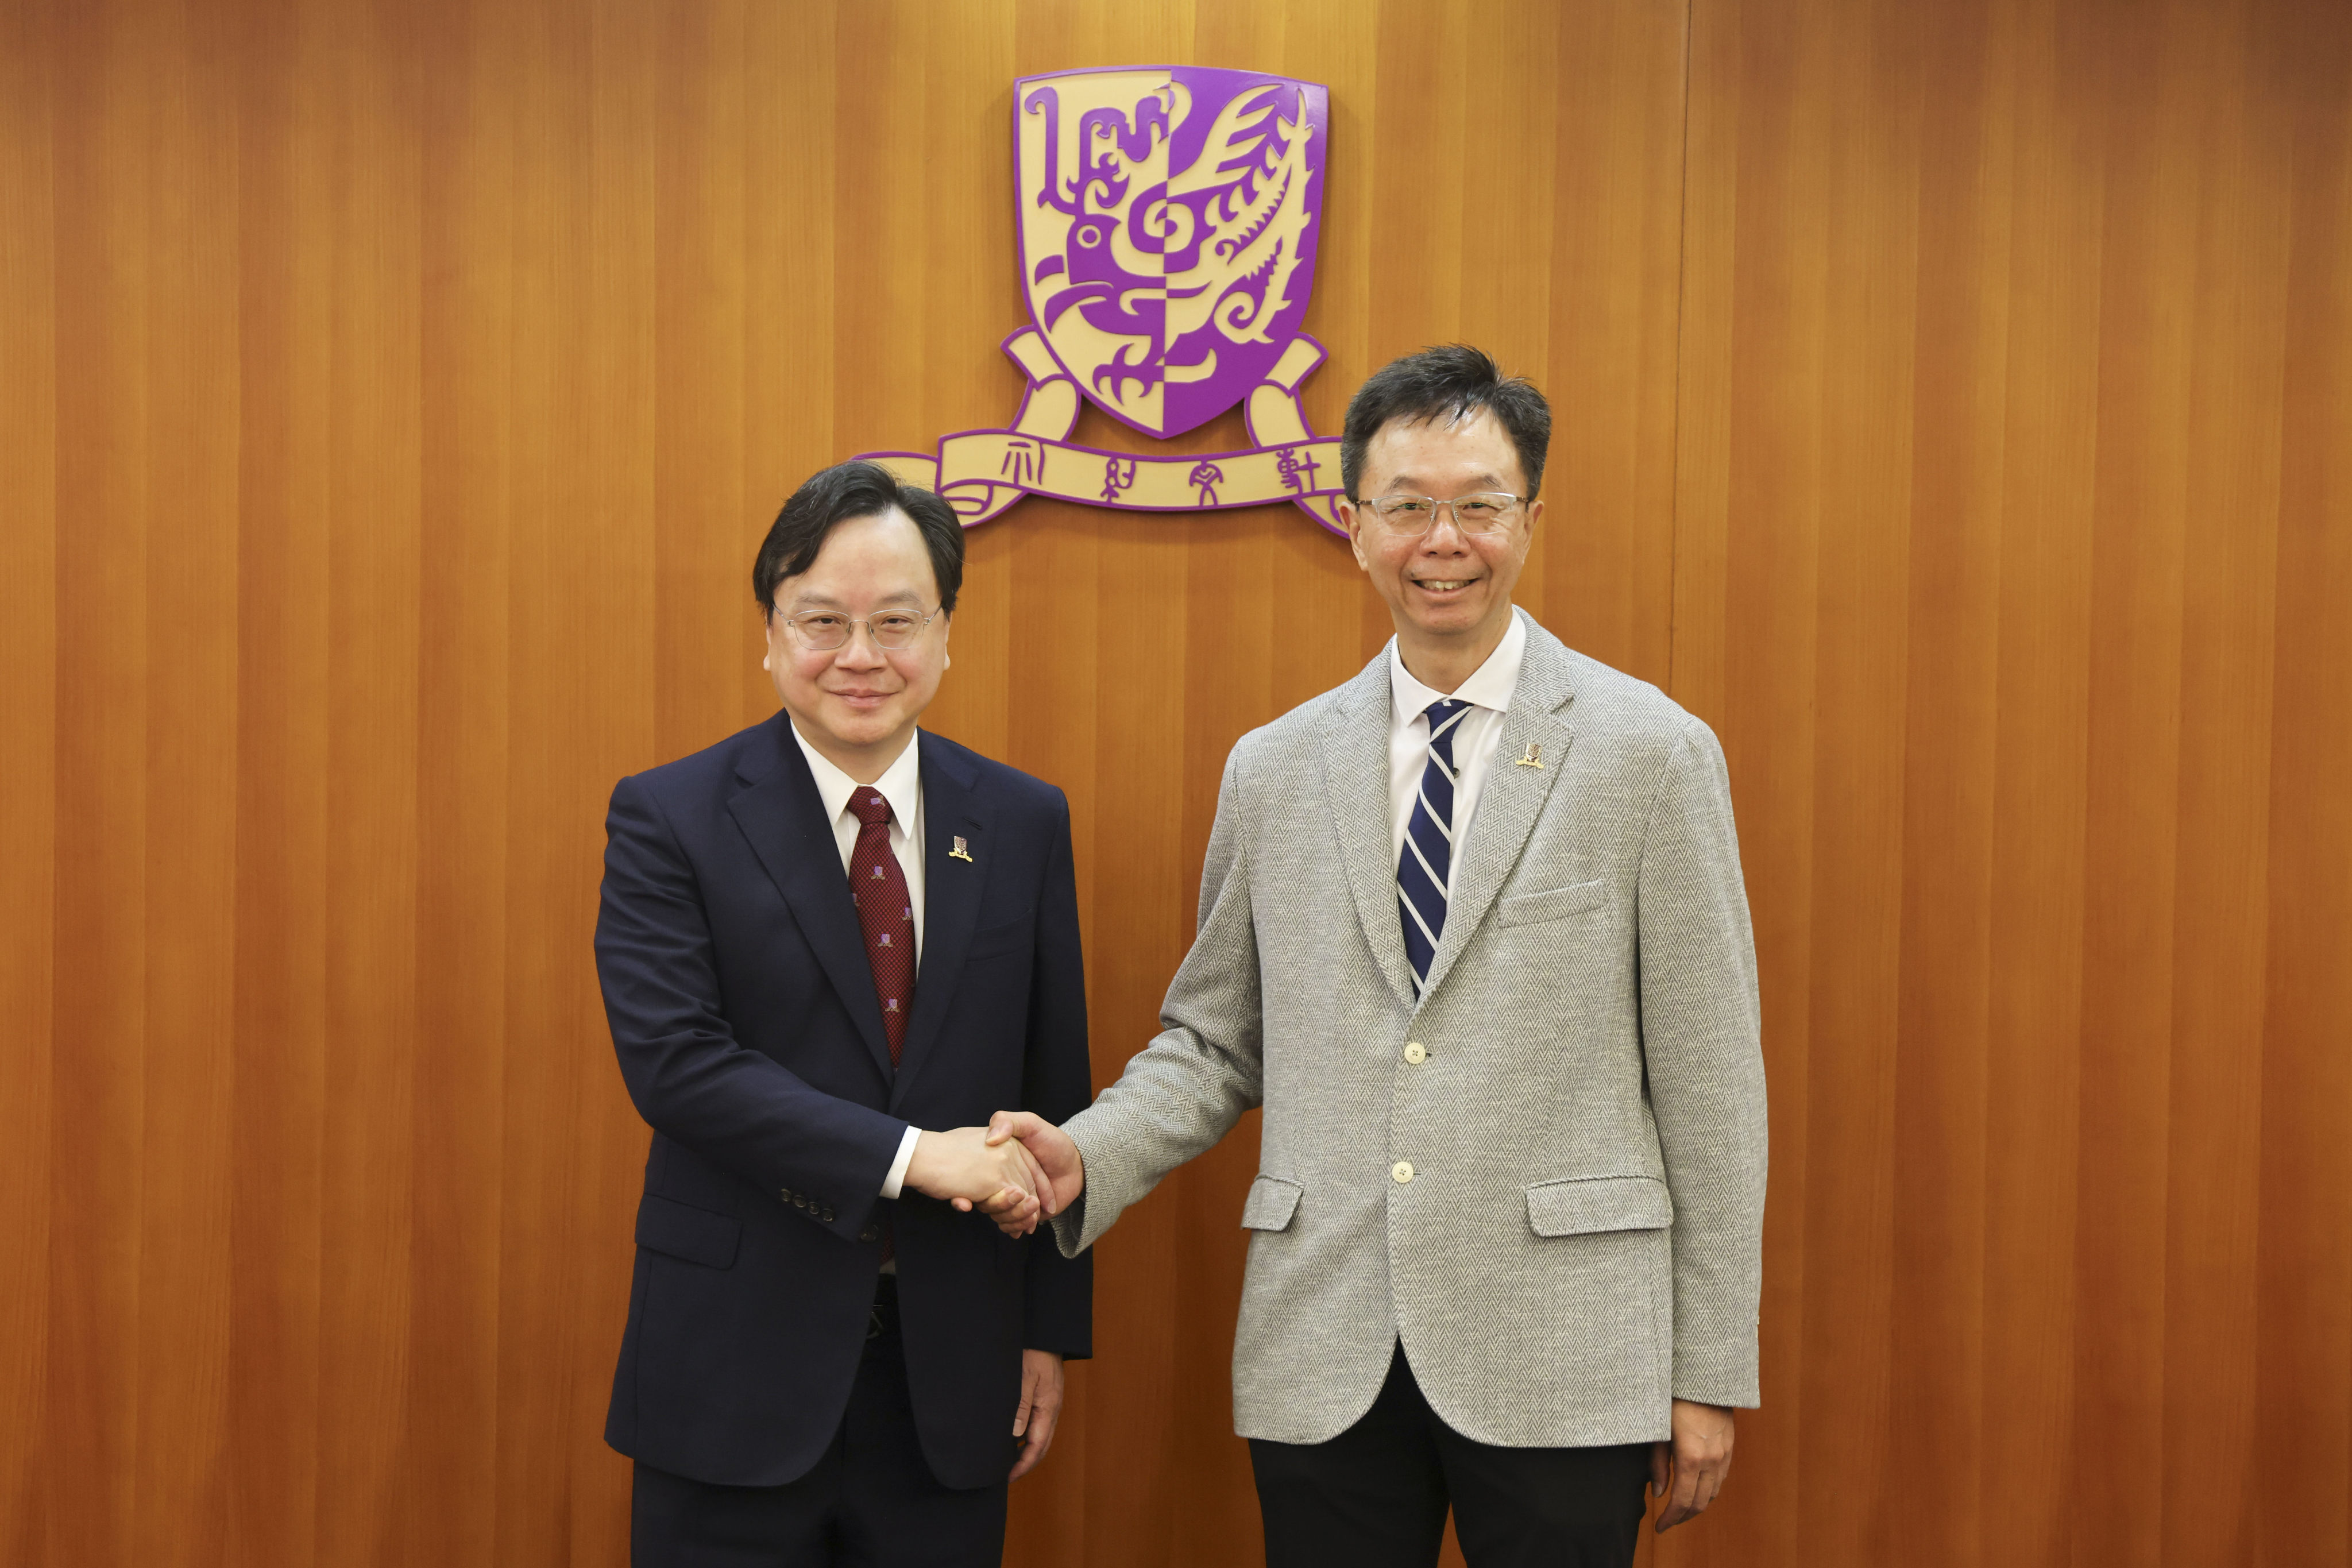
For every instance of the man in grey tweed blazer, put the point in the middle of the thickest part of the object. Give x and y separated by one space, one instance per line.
1473 931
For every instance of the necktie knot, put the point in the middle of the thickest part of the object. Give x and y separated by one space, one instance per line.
870 807
1444 716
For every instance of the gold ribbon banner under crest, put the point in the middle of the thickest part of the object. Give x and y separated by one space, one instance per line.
981 473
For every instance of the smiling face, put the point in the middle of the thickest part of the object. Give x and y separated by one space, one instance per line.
1449 593
857 704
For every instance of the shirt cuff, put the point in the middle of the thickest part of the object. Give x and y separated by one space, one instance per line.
897 1176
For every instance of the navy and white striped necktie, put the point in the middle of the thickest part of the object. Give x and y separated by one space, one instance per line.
1425 867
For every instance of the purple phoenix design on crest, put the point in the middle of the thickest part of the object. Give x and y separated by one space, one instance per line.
1167 223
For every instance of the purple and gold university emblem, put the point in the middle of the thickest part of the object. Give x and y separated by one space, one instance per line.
1168 218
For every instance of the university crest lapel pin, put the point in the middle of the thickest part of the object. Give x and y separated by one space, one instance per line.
961 853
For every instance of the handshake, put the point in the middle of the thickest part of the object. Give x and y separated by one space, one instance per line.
1017 1170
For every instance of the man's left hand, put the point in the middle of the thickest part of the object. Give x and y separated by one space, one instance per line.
1041 1406
1689 1471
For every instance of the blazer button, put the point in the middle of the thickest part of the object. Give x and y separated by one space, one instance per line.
1401 1170
1416 1053
869 1234
828 1216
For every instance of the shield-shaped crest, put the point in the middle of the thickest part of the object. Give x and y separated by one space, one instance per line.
1167 223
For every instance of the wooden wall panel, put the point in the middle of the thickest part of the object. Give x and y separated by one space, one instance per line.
277 1059
29 657
1955 407
2303 1330
2009 291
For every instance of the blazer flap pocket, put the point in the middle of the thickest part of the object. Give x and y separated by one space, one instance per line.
680 1230
1272 1202
1579 1208
1533 908
1010 936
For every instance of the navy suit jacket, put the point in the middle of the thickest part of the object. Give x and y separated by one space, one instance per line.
743 1012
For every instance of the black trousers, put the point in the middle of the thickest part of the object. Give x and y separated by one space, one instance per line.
871 1502
1376 1495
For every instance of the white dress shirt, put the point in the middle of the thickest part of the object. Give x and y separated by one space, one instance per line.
1489 691
901 784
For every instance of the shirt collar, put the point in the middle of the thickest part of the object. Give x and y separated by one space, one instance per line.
900 783
1489 687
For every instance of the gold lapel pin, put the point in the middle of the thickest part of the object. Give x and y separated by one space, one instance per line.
960 853
1532 758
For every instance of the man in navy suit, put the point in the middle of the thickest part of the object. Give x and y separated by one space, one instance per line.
821 939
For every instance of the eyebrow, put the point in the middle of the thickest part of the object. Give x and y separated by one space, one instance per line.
827 602
1489 480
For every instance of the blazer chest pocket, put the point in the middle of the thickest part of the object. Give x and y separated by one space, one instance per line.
997 941
1558 904
1592 1203
1272 1201
687 1233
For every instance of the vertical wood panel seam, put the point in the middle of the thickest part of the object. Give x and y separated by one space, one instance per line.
1674 445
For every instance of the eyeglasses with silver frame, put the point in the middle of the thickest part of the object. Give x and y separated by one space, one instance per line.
824 631
1481 514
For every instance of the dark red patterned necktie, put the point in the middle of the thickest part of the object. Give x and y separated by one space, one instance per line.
885 914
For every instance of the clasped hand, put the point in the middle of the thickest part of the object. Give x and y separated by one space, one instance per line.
1017 1170
1052 1154
998 1178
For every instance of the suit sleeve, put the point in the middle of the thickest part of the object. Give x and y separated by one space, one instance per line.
1702 1050
690 1079
1184 1090
1056 1079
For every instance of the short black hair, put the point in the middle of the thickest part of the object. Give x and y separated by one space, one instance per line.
1449 383
832 496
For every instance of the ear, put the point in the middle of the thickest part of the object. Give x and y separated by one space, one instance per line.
1352 517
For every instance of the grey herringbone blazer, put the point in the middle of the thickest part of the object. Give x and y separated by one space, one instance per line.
1558 1200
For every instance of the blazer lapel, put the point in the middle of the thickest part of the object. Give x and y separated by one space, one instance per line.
783 815
1356 783
951 890
1513 798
